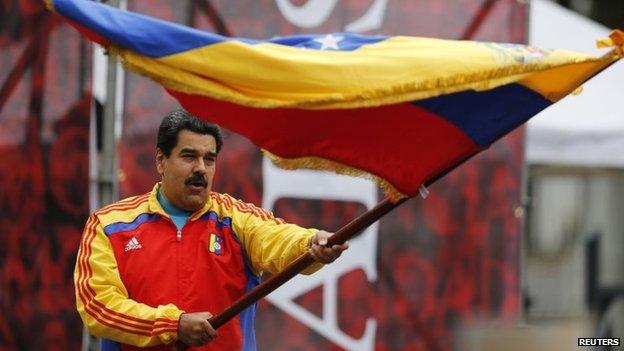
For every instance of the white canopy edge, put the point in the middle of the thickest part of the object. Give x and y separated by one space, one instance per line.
585 129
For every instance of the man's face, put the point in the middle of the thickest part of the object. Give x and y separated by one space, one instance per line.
187 173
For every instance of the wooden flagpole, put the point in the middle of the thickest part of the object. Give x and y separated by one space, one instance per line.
351 230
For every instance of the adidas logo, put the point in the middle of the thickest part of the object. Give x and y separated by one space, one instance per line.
132 244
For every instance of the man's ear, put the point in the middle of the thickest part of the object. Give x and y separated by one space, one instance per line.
160 161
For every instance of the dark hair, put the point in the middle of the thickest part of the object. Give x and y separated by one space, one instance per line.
178 120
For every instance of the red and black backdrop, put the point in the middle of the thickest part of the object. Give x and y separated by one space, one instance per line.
44 123
443 262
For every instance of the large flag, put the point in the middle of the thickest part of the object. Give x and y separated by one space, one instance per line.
399 110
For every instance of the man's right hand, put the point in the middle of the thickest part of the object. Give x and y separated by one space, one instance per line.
194 329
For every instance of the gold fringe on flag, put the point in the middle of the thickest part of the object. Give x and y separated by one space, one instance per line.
49 5
615 40
319 163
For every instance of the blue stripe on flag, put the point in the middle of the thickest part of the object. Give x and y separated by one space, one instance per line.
487 115
156 38
344 41
142 34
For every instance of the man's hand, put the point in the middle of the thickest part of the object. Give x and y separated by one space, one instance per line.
195 330
322 253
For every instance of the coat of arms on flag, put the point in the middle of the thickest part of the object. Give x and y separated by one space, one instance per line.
215 245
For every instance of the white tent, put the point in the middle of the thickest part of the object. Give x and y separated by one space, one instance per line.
568 206
585 129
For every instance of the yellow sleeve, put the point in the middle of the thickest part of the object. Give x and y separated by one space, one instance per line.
102 300
271 244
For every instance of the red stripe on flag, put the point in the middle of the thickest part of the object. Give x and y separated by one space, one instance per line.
418 144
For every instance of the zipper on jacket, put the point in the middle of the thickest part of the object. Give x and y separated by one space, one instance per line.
178 231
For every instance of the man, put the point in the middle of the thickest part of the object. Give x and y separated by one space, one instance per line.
152 268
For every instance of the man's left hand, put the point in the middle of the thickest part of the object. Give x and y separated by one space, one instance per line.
320 252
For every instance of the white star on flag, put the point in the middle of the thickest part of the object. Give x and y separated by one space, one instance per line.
329 42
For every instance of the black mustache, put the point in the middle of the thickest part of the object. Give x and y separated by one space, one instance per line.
196 179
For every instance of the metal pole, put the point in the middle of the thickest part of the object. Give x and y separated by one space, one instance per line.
107 185
107 175
525 199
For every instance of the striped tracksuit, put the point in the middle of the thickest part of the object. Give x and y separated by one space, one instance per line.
136 272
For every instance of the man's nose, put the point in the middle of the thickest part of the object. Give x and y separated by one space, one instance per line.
200 166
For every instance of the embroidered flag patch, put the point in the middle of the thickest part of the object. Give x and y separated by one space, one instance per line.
216 244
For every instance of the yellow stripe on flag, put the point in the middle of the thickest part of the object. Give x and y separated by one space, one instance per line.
213 239
395 70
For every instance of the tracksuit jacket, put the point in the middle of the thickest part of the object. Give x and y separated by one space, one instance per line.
136 273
